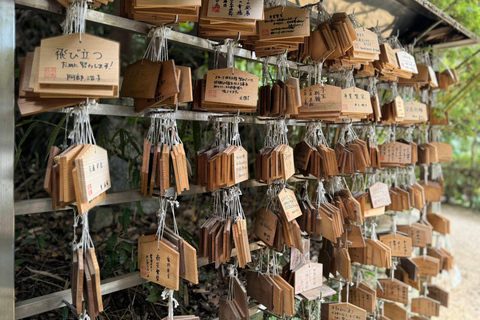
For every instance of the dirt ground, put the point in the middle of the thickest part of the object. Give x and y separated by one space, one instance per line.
464 280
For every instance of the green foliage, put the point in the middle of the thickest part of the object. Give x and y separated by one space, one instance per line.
461 182
18 150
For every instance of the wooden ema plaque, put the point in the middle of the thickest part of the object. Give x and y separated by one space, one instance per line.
379 195
240 164
406 62
235 10
83 207
400 245
284 22
438 294
394 311
344 311
307 277
395 154
260 288
266 226
362 296
232 87
321 98
356 101
158 262
67 61
421 234
93 172
415 112
289 205
366 42
427 266
297 258
426 306
140 79
393 290
444 151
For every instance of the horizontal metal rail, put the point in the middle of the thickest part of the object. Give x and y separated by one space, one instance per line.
42 205
53 301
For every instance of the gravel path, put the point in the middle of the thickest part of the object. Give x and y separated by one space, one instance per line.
464 280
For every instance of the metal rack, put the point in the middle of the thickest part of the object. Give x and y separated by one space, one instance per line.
8 308
53 301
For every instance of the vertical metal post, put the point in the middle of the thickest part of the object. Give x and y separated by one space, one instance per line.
7 149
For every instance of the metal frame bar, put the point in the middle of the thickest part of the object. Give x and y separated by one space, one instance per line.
42 205
7 150
53 301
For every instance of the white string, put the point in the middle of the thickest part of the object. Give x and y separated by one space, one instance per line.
157 49
75 18
172 302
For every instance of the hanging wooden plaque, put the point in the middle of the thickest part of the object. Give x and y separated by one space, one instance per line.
288 164
395 153
321 98
288 203
345 311
158 262
297 258
93 172
266 226
367 41
400 245
438 294
355 100
415 112
362 296
379 195
427 266
284 22
307 277
235 9
406 61
231 87
240 164
394 311
66 60
426 306
140 79
392 289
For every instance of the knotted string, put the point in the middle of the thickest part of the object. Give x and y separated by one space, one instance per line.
172 302
75 18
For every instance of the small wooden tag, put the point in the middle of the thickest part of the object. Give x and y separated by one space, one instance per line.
93 172
288 163
288 203
252 11
393 290
266 226
395 312
307 277
426 306
438 294
231 87
427 266
240 164
158 262
284 22
406 61
345 311
400 245
379 195
140 79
